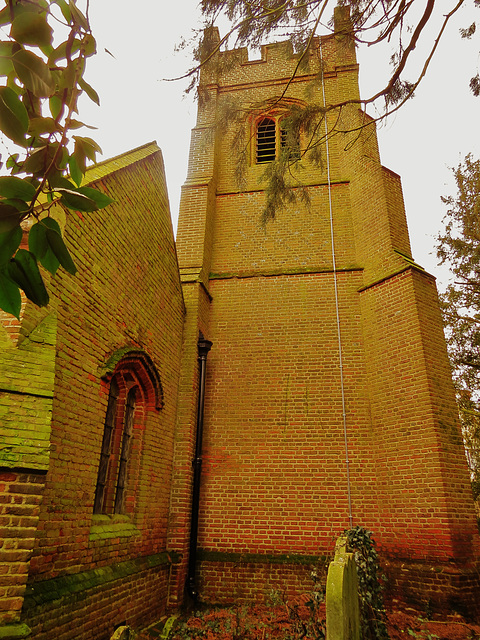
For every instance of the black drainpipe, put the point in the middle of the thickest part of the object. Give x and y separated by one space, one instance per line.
204 347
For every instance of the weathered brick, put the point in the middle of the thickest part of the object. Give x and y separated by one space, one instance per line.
67 354
274 479
274 488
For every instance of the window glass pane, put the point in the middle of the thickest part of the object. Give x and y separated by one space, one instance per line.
126 441
105 455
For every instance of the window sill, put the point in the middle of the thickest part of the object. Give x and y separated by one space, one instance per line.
116 526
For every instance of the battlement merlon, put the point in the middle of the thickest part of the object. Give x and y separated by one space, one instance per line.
233 67
250 88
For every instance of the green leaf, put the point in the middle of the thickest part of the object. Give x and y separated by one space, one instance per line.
34 73
90 91
60 53
12 161
6 65
20 205
47 50
75 172
72 73
76 124
80 155
63 159
37 240
57 181
60 250
101 199
72 199
51 223
78 17
9 243
37 162
18 7
40 159
5 16
12 187
39 126
49 260
9 217
55 104
64 8
89 146
10 298
32 29
89 45
13 116
23 270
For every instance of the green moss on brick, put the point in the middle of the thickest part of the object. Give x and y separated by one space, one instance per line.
14 632
258 558
46 591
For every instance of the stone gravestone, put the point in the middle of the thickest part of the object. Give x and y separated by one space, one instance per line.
343 610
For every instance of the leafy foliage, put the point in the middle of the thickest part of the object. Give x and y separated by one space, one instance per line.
459 248
370 586
41 82
405 27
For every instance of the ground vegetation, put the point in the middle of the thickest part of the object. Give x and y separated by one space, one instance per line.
289 621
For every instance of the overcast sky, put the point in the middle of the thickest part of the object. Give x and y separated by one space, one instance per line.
431 133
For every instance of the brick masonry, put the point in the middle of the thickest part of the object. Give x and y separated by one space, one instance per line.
84 573
274 492
274 475
21 496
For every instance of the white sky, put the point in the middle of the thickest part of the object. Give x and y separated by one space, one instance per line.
428 135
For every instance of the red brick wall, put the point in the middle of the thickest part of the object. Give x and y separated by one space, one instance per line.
241 581
274 472
126 297
274 475
135 599
20 499
423 489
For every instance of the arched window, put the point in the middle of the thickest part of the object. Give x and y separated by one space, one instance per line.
266 140
134 391
271 138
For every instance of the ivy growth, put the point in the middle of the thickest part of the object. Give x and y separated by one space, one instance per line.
41 80
370 584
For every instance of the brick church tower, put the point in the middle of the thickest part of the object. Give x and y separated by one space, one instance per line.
314 352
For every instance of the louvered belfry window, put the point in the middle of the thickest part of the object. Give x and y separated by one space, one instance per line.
266 140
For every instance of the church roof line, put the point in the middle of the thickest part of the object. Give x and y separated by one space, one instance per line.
106 167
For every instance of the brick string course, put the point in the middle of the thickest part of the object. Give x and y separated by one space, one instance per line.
274 476
274 486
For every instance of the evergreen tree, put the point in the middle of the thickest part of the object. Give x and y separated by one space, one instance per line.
459 248
405 25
